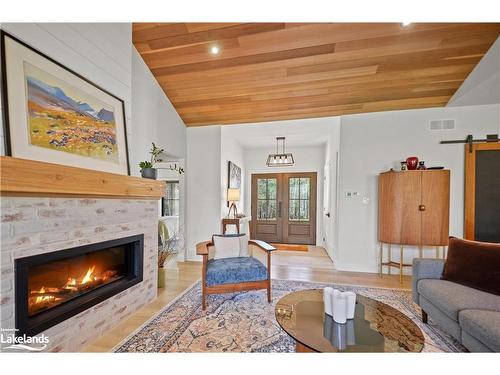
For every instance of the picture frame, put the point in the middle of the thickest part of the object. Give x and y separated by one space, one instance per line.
53 114
233 176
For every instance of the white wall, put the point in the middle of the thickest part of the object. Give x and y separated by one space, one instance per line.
375 142
101 52
482 86
231 150
307 159
154 118
203 187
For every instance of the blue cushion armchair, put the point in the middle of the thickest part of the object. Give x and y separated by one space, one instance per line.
229 265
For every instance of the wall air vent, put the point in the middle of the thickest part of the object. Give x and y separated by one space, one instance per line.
442 124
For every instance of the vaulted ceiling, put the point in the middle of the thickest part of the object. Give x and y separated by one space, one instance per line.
279 71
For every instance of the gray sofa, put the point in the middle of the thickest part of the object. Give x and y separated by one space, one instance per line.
469 315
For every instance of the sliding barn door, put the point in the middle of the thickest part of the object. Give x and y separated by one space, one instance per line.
482 192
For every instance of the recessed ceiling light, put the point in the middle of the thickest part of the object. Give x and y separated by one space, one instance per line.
405 23
214 50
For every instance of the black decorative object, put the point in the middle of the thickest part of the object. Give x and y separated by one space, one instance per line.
470 140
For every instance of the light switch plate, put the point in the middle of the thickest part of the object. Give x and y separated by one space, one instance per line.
350 194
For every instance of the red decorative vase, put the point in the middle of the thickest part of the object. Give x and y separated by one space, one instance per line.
412 163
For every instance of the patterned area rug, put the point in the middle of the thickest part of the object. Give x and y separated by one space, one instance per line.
245 322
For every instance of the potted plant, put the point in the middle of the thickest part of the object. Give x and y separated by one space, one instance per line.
168 246
162 257
147 167
147 170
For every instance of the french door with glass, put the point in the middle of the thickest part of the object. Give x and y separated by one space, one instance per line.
284 207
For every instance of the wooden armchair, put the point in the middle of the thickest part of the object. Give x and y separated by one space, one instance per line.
234 273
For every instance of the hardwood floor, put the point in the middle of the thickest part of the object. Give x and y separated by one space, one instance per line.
316 266
313 265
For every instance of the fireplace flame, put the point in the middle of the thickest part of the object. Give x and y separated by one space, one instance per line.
43 298
88 276
48 296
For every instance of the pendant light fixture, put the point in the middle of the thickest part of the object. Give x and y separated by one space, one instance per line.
280 160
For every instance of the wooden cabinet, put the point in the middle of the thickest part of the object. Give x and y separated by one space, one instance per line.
414 207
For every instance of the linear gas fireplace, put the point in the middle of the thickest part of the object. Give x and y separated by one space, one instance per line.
53 287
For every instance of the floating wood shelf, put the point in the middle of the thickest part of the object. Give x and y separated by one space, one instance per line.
21 177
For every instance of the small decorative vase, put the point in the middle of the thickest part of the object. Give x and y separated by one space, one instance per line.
403 166
412 163
328 300
339 307
421 165
161 277
150 173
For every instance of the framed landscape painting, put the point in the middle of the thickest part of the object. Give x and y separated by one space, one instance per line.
234 176
52 114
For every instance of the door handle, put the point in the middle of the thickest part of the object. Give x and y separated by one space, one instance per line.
327 214
279 209
421 207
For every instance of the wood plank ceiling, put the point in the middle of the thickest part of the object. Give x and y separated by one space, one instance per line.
278 71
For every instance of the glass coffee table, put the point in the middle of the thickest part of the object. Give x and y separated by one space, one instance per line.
376 327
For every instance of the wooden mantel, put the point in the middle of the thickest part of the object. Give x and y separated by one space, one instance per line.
21 177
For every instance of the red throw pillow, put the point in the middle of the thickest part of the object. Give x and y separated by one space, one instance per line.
474 264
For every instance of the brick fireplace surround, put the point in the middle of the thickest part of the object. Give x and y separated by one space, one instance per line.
66 207
32 226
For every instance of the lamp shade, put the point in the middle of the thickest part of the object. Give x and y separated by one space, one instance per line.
233 195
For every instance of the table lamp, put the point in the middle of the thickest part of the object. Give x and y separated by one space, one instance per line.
233 195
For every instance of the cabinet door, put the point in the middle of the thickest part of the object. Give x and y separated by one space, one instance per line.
410 215
389 208
435 207
399 197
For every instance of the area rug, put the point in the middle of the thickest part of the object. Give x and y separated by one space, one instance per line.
245 322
